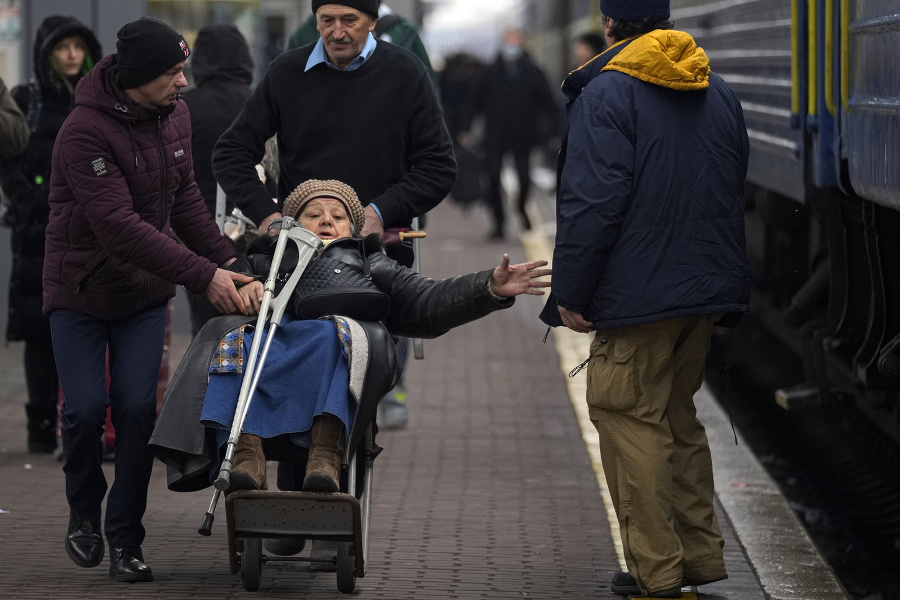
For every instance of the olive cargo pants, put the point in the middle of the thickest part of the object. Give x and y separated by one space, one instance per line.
640 387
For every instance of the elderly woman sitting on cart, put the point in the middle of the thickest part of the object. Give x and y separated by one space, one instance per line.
349 300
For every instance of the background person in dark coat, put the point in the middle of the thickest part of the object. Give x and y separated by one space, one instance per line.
649 254
519 113
586 47
13 125
121 188
222 70
64 51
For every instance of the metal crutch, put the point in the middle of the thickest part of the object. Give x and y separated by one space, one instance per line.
308 244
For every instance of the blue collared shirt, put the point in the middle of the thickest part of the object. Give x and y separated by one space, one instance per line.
318 55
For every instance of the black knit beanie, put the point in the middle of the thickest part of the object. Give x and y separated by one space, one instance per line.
635 10
370 7
146 49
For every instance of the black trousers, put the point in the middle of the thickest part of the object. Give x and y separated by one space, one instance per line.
494 154
135 348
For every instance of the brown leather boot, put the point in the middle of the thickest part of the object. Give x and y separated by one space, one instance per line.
323 468
249 471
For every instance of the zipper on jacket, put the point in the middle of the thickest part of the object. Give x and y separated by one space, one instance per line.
148 286
162 174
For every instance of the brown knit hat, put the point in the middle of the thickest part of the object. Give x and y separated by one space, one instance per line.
317 188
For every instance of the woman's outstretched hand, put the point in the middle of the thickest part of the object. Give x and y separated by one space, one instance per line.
512 280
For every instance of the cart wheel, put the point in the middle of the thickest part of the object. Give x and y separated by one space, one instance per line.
346 568
251 564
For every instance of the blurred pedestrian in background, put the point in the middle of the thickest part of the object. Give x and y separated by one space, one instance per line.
458 79
649 255
14 130
222 70
121 190
350 108
519 114
64 51
586 47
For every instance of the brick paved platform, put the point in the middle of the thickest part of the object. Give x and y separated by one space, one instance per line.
489 493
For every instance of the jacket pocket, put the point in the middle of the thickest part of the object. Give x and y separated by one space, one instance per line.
92 269
610 378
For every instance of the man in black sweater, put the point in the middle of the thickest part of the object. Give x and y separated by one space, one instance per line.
349 108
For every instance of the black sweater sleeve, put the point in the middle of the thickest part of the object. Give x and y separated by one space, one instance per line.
432 163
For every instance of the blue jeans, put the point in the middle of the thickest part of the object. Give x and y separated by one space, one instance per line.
135 348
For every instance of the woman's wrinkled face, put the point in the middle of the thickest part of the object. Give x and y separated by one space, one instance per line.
68 55
326 217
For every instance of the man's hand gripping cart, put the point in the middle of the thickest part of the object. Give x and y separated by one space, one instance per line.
254 515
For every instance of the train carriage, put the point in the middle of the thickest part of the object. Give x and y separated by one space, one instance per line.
819 82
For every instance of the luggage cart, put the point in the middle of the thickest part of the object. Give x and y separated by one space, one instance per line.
339 517
253 515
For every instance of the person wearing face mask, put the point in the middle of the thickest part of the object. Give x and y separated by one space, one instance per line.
519 113
64 51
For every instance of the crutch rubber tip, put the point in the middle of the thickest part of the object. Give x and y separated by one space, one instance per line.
206 527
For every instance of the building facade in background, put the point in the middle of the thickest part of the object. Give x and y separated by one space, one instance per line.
265 24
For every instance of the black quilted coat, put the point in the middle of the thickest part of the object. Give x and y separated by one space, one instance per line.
47 100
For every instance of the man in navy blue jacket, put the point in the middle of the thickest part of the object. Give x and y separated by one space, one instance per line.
650 254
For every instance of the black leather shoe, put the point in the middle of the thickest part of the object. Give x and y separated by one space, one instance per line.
127 564
623 584
84 540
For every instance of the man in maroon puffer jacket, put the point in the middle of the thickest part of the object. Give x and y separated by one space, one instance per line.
122 185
